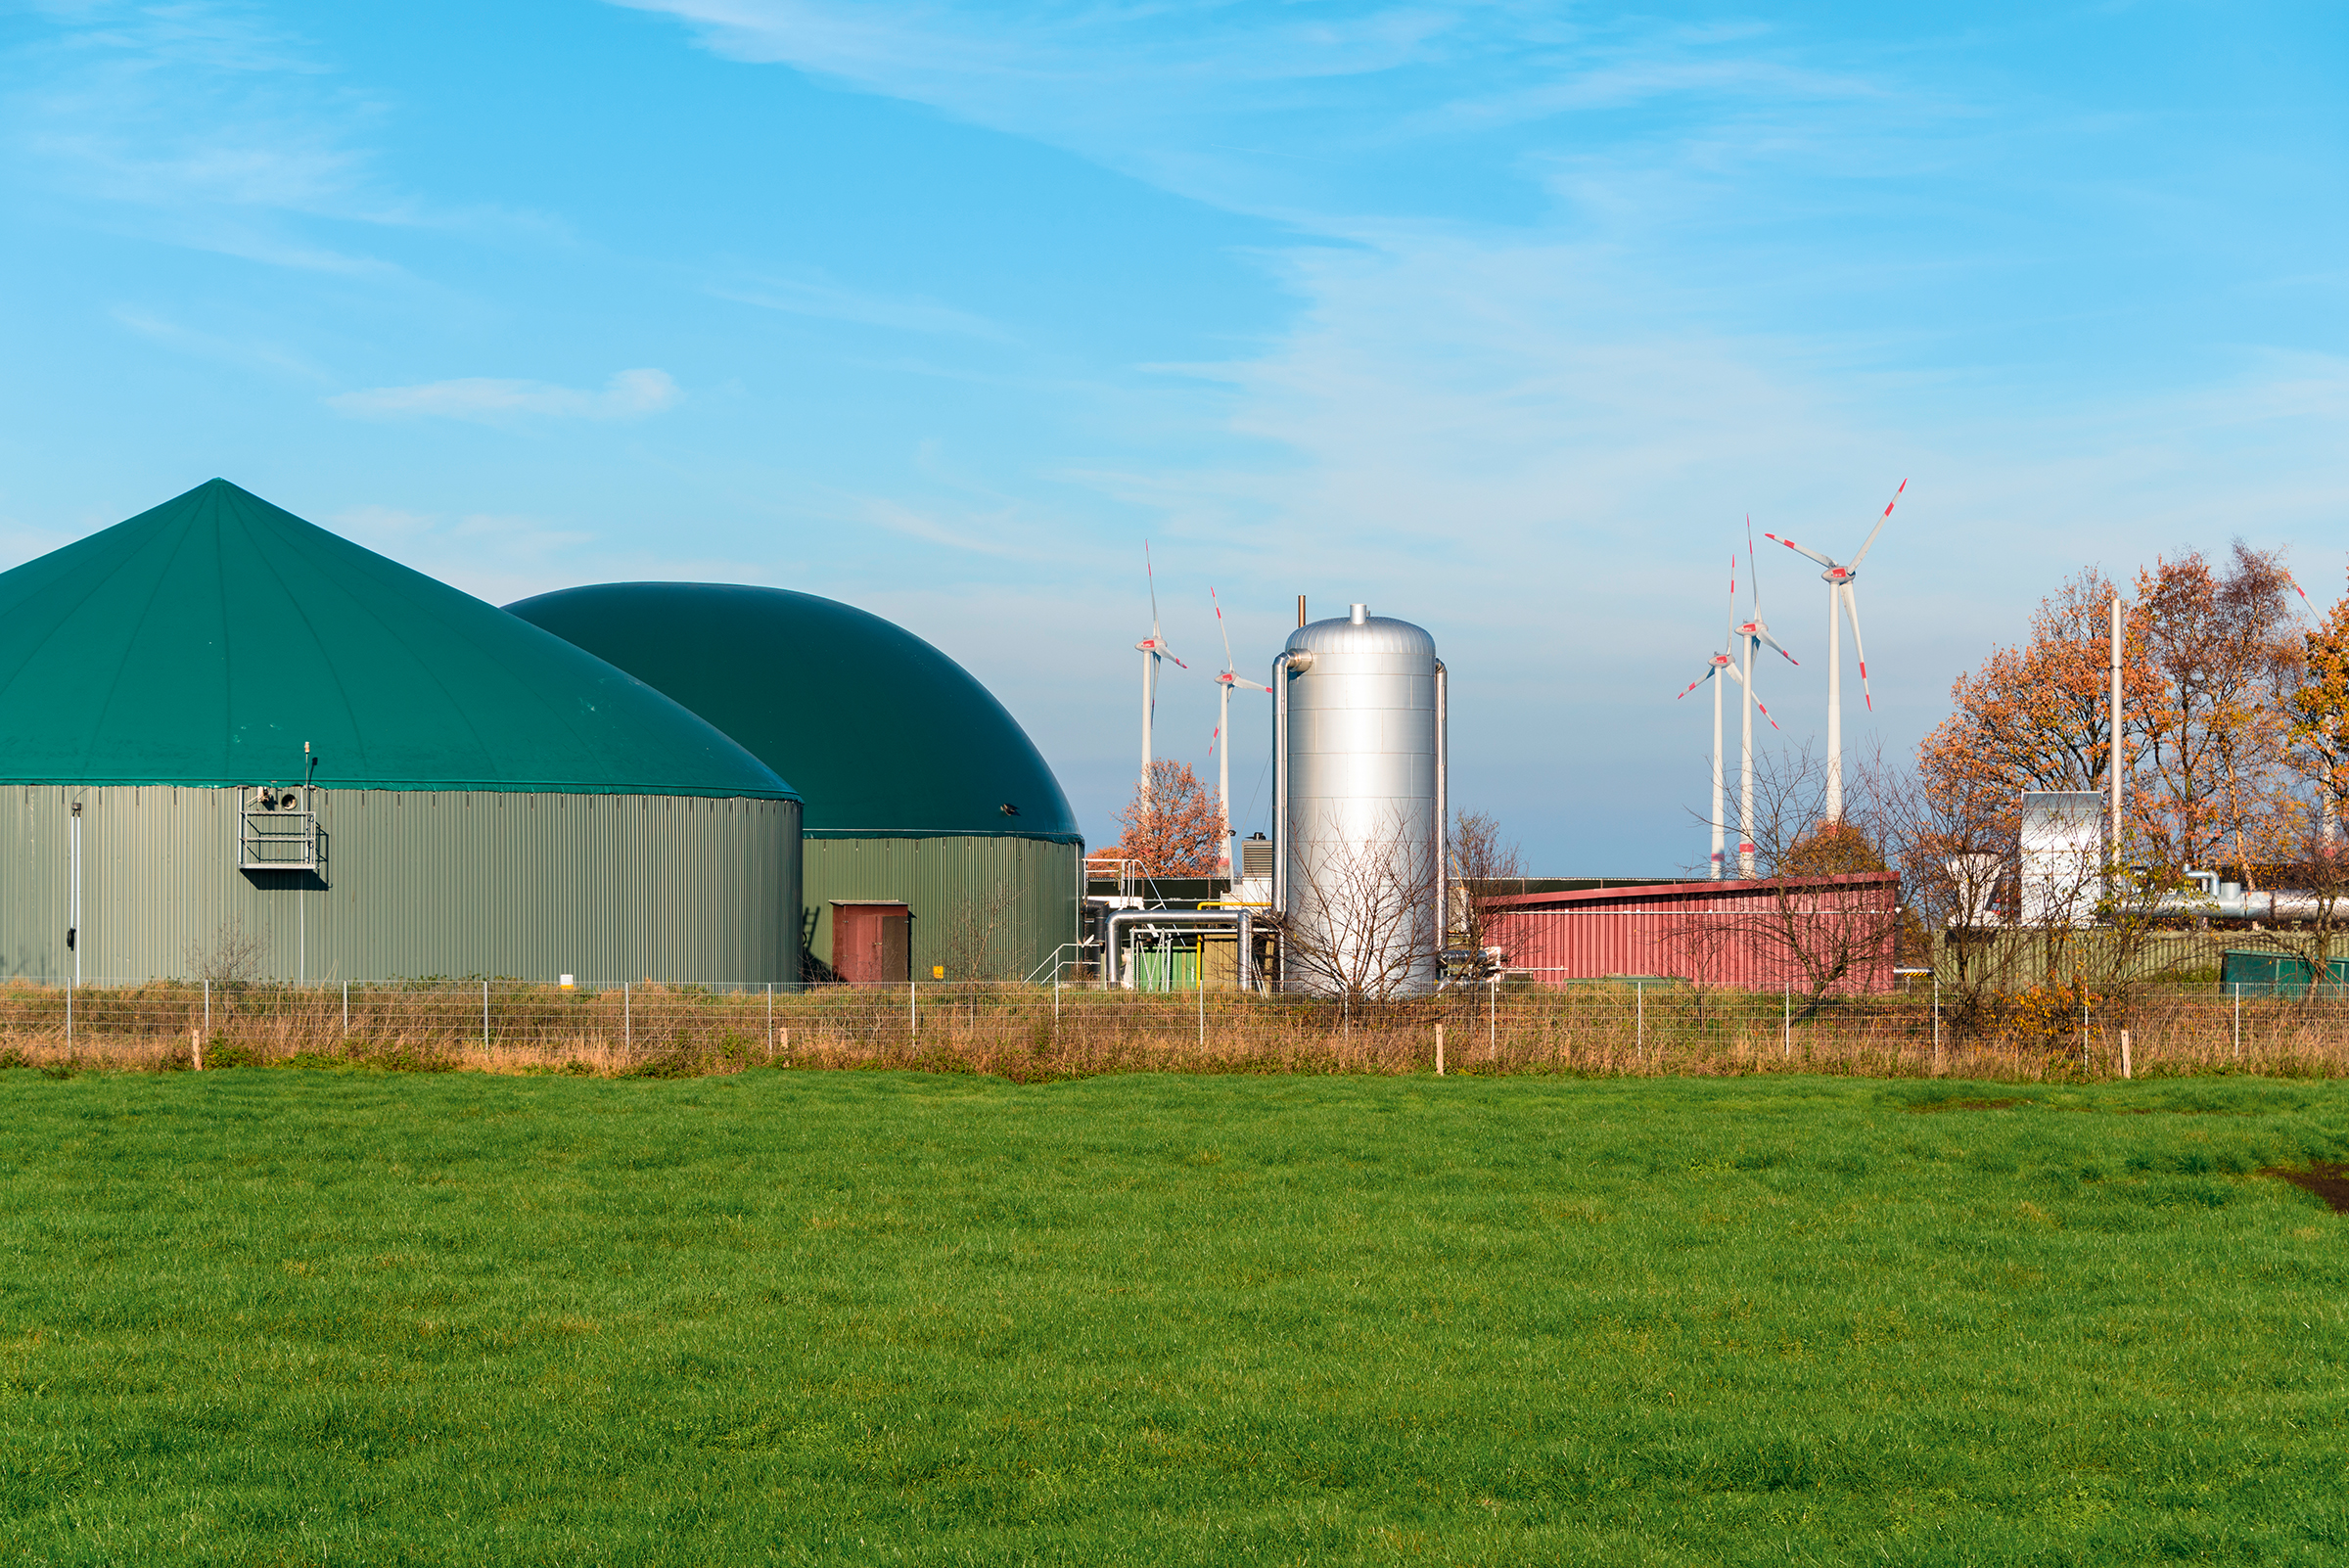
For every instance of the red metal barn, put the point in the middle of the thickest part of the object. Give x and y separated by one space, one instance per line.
1752 935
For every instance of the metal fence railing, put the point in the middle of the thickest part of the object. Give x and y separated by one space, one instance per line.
1031 1030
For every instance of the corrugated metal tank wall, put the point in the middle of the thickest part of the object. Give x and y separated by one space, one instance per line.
417 882
984 908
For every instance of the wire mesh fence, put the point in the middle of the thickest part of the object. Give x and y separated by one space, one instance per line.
1040 1032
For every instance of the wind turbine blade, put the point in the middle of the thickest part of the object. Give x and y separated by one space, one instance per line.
1879 528
1765 713
1220 627
1151 571
1851 605
1734 673
1769 641
2303 592
1751 569
1799 550
1733 620
1699 680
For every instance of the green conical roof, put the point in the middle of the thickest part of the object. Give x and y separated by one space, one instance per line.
884 735
202 642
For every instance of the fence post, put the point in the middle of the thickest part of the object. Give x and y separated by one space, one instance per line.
1639 1019
484 1015
69 1015
347 1008
208 1007
770 1020
2125 1063
627 1019
1787 1024
1936 1020
1439 1050
2239 1019
914 1008
1492 1015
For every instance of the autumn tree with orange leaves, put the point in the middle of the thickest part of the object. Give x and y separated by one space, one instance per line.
2209 769
2207 665
2317 713
1172 825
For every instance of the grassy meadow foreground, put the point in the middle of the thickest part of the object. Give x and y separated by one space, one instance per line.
275 1316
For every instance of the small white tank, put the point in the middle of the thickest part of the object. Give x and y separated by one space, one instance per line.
1358 759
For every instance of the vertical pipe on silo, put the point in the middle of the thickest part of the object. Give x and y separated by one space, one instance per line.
1443 828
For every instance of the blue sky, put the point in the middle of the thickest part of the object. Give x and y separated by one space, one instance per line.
1499 317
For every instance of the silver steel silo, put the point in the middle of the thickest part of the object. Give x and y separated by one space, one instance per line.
1358 765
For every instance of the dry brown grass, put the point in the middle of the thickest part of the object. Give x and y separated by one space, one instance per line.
1029 1034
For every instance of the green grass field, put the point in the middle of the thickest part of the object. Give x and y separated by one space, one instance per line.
292 1316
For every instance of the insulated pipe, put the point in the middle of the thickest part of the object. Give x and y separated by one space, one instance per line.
1281 778
1113 945
1442 824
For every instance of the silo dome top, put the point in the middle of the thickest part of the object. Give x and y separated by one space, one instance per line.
1372 634
202 642
884 735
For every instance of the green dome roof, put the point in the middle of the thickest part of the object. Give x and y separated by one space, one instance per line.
885 737
202 642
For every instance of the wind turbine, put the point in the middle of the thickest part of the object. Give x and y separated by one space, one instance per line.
1153 648
1840 603
1722 664
1223 684
1755 633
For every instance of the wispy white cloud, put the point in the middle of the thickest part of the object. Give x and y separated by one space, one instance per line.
1128 86
493 556
830 301
629 394
208 126
247 353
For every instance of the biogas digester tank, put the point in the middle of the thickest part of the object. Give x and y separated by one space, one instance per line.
1359 760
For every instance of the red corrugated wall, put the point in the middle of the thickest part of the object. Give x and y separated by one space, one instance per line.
1731 934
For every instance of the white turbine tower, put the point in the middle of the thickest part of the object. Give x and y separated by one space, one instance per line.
1840 603
1153 648
1722 664
1223 746
1754 632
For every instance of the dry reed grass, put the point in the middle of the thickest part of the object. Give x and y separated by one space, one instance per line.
1029 1034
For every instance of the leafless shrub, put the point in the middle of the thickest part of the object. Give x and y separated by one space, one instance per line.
1483 867
231 956
1826 925
1362 922
981 934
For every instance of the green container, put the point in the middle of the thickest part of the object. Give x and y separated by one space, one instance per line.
2259 973
1166 969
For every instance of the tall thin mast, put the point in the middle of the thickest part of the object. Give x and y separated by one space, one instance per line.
1745 785
1720 827
1223 770
2115 760
1835 811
